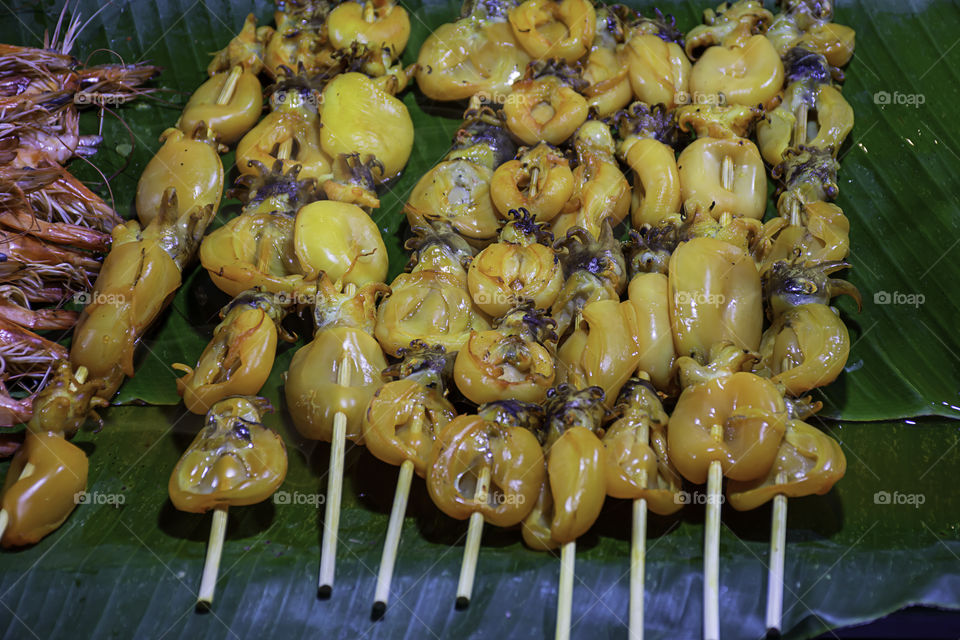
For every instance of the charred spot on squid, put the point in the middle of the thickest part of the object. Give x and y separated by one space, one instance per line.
437 233
634 392
180 235
570 73
644 121
353 181
595 269
487 8
334 307
292 84
807 66
482 125
728 21
304 15
664 26
602 257
808 174
241 431
792 283
284 189
513 413
275 305
819 9
430 366
611 21
567 407
67 400
528 322
524 224
649 249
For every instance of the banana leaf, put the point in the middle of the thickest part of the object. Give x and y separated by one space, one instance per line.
127 564
870 547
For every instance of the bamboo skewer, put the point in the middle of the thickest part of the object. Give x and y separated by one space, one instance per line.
392 542
711 547
285 149
799 138
726 173
471 550
778 529
568 554
229 85
218 526
226 94
638 552
778 548
711 542
331 515
800 126
211 566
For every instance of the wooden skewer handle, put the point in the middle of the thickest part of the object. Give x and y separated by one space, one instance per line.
389 557
211 566
778 544
331 514
568 554
638 552
711 546
711 555
468 569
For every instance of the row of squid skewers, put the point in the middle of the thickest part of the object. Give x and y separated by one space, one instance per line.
179 193
528 363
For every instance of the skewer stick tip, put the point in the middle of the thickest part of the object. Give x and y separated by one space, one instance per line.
778 542
565 591
392 542
331 514
711 554
211 566
471 549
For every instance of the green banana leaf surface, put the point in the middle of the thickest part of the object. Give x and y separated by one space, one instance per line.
127 564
